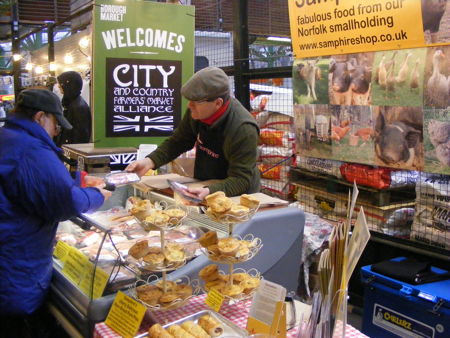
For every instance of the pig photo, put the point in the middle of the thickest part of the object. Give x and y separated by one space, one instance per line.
397 77
312 130
436 21
309 80
399 137
436 127
352 134
349 79
437 71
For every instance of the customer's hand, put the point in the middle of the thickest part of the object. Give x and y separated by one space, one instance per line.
94 181
140 167
106 193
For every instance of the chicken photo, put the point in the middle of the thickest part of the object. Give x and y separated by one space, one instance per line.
439 134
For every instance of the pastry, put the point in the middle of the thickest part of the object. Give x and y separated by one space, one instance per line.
174 256
221 205
142 209
210 325
209 273
228 246
249 201
242 252
170 286
212 197
149 294
157 331
238 210
158 218
168 298
217 284
154 259
208 239
175 215
214 249
240 277
154 250
250 284
178 332
232 290
139 249
174 246
194 329
183 290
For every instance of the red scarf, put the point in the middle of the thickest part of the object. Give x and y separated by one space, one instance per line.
214 117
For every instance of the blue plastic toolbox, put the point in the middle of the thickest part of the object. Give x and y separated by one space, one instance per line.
397 309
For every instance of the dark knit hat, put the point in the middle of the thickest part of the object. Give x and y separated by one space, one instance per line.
43 100
208 83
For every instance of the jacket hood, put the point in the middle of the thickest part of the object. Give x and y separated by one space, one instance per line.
72 83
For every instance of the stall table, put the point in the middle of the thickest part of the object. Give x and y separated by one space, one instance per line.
237 313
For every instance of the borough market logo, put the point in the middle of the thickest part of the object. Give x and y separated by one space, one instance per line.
112 12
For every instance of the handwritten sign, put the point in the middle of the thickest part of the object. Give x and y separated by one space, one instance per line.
100 281
75 265
125 315
61 250
338 27
214 299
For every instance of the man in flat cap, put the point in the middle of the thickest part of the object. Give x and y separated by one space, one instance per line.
36 192
223 132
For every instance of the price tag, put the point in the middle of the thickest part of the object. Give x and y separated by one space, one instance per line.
101 279
214 299
61 250
125 315
75 265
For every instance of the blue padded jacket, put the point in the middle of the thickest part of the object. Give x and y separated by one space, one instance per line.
36 192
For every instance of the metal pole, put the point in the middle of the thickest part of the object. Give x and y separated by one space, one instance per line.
15 48
241 52
51 55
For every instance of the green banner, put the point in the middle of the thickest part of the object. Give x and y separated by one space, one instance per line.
143 53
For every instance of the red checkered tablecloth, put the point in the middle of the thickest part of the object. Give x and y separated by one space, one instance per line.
237 313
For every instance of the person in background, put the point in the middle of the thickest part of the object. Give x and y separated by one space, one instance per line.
223 131
36 192
76 110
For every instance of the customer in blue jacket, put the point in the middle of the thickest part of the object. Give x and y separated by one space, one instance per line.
36 192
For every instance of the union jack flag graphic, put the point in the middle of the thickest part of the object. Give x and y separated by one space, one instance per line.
123 123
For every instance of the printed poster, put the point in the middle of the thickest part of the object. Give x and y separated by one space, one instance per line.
350 26
144 52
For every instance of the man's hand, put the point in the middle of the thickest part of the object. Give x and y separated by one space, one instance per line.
199 193
140 167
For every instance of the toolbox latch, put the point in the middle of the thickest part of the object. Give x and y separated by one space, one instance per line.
406 290
369 280
436 307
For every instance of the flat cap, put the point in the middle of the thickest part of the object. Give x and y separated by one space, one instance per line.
43 100
208 83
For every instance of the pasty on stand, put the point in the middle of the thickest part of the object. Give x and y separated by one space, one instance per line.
139 249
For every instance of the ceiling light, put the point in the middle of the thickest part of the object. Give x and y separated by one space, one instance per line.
17 57
84 42
68 59
29 66
39 70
